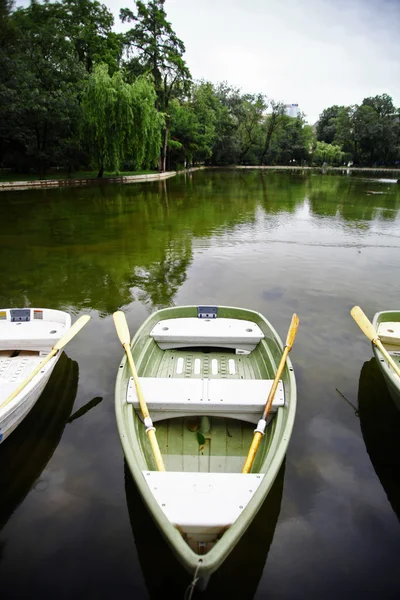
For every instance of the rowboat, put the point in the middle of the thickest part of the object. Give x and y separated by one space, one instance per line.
27 336
387 325
205 374
25 454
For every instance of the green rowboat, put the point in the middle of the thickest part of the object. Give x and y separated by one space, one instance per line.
387 324
205 374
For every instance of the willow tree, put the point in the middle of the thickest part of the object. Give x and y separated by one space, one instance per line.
120 120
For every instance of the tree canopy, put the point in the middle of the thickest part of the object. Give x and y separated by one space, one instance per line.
74 93
120 120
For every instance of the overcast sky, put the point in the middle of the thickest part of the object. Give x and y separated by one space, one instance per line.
312 52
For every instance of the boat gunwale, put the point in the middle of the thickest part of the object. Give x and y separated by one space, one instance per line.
273 460
392 380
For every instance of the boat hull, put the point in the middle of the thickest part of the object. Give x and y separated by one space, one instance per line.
221 449
391 379
25 454
14 413
27 336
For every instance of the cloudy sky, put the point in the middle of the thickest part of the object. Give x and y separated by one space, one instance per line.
313 52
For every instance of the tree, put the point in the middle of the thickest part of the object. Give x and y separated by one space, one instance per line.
271 124
193 125
330 154
326 126
226 148
345 135
120 119
89 26
42 88
8 40
370 131
292 141
153 47
250 114
384 129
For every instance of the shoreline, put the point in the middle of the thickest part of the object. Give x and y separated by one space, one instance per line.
6 186
58 183
307 168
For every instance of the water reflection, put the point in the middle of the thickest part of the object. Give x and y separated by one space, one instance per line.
380 426
104 247
239 575
26 452
352 199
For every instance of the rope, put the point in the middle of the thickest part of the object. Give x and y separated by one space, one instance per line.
190 588
356 412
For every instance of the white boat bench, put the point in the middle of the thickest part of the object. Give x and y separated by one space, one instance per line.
168 397
389 333
202 503
187 332
32 328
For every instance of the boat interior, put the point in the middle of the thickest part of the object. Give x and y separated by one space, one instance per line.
389 334
206 383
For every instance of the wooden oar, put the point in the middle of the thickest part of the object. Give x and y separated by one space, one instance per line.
124 336
369 330
259 432
63 341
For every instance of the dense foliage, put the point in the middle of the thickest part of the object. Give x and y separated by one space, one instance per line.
76 94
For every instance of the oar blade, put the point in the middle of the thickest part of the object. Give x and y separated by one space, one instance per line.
294 325
364 323
72 331
124 337
122 327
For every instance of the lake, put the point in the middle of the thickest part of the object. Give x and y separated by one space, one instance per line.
72 524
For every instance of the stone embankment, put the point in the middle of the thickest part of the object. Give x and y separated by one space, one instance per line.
57 183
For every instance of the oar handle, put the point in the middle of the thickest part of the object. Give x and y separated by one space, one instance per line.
385 353
259 432
252 452
142 402
275 383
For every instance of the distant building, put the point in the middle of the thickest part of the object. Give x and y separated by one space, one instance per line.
292 110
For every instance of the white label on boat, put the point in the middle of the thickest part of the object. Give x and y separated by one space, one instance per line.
232 368
197 366
179 368
214 366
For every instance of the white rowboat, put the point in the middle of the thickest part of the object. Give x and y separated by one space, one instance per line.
27 335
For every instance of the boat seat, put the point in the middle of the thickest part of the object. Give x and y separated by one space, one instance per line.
202 503
32 328
168 397
389 332
193 332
